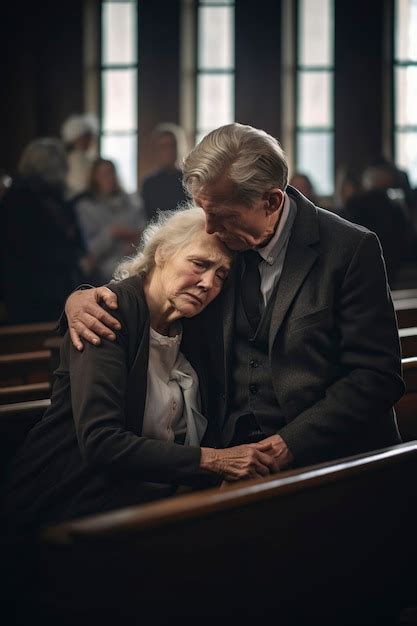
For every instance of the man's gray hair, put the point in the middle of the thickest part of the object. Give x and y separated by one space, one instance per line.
250 158
44 159
169 231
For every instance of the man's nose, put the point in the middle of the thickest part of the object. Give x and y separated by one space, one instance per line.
211 225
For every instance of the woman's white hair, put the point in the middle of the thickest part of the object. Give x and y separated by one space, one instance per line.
168 232
250 158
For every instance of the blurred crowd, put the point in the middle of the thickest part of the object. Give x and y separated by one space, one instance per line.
66 219
382 200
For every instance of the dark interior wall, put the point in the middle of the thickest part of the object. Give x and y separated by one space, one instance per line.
41 50
359 74
258 64
359 82
159 72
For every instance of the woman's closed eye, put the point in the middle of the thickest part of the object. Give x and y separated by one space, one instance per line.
221 275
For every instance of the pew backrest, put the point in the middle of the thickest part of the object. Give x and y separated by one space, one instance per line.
403 294
16 420
25 368
25 337
298 545
25 393
406 408
406 311
408 339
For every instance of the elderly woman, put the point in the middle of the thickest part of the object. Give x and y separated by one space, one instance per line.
126 421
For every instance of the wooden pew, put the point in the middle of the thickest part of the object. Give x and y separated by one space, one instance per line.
25 393
15 422
406 311
408 339
403 294
25 368
25 337
406 408
330 544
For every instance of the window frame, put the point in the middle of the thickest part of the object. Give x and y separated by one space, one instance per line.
199 71
299 69
105 67
397 128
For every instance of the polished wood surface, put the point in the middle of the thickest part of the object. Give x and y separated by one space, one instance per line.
25 393
25 367
25 337
406 311
329 544
135 520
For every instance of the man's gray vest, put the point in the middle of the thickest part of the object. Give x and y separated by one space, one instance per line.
251 384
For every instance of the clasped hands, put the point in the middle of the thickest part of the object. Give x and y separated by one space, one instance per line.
254 460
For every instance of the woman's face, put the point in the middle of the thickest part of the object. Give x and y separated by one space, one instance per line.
194 276
105 178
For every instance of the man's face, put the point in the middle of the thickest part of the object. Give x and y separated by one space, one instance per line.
239 226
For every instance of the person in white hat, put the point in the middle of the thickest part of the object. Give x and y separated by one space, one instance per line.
79 133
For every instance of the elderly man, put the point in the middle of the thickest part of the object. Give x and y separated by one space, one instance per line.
304 351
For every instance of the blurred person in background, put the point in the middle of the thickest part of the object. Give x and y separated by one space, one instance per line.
304 184
79 133
381 208
162 190
111 220
5 182
387 175
347 185
42 249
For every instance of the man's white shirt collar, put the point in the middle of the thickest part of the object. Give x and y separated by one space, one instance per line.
269 253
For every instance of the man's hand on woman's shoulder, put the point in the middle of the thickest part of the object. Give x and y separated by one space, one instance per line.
87 319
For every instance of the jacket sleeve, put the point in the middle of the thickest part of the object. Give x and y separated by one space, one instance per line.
98 378
369 359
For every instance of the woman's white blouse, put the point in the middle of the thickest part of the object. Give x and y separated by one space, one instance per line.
172 407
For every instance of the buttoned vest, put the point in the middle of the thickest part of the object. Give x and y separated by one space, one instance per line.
251 381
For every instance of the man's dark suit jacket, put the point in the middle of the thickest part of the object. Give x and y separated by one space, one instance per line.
334 351
87 454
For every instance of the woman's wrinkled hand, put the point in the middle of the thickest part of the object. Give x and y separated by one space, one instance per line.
238 462
87 319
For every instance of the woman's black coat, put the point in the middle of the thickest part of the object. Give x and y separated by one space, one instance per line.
87 454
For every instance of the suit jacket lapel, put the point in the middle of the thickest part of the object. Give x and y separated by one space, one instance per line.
300 257
137 381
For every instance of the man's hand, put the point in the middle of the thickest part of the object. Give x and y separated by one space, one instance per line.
277 448
238 462
87 319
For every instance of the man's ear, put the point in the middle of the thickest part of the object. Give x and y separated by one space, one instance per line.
275 200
